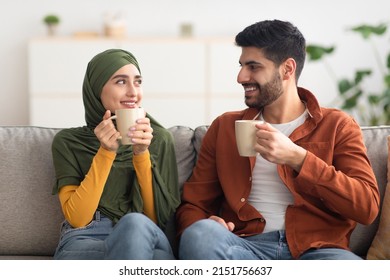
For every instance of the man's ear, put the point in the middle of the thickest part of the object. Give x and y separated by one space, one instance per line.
289 67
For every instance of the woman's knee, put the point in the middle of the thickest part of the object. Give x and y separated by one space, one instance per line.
134 221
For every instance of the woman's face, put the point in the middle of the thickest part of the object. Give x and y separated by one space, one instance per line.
123 89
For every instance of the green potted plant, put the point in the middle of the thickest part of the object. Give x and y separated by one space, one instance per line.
371 107
52 22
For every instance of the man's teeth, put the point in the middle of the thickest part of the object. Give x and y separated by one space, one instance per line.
250 88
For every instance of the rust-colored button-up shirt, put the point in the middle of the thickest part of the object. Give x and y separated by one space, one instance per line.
335 188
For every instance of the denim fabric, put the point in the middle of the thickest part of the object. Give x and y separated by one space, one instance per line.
134 237
208 240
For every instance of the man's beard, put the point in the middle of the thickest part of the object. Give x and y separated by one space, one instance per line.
268 93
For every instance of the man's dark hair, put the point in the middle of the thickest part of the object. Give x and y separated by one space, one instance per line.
279 40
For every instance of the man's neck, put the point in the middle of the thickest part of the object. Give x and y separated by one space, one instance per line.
285 109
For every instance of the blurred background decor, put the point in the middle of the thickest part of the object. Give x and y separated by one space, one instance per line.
207 62
52 22
370 106
115 25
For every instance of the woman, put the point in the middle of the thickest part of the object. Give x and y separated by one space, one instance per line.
116 199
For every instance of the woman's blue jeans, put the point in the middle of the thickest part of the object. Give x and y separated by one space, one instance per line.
134 237
208 240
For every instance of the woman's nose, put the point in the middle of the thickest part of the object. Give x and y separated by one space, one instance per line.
130 91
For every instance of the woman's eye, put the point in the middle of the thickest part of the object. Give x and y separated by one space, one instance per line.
139 81
121 82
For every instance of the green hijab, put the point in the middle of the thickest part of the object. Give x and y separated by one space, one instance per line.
99 71
74 149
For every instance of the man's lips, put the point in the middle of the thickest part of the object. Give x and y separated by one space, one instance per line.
250 88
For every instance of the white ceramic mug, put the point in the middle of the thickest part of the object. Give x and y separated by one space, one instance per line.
246 137
126 118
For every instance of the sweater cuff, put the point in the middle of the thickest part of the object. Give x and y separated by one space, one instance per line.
106 153
141 158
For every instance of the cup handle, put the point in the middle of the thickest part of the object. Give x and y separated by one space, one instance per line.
114 118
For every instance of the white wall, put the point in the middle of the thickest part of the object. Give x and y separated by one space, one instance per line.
320 21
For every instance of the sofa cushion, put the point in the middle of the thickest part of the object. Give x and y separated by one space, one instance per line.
200 131
380 247
185 152
376 143
185 157
30 215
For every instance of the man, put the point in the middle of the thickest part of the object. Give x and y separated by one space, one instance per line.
311 182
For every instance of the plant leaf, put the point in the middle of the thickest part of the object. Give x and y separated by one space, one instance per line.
351 102
388 61
387 80
367 30
316 52
360 74
374 99
344 85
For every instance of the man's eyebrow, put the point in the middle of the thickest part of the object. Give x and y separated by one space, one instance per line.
251 62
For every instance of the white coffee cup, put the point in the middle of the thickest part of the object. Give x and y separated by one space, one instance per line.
126 118
246 137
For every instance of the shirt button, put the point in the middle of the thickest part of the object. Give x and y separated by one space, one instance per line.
242 234
242 199
262 220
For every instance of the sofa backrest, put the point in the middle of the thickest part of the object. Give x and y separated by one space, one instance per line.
375 139
30 215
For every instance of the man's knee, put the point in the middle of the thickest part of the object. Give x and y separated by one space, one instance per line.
199 229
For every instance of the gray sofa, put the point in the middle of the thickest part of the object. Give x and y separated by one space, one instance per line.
30 216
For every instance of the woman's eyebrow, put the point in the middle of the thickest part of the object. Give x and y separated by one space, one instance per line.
124 76
120 76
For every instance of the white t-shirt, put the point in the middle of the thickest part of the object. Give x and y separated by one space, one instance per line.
268 194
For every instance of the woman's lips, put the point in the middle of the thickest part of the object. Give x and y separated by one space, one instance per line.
128 104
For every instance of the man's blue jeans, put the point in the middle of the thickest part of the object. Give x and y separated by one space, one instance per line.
208 240
134 237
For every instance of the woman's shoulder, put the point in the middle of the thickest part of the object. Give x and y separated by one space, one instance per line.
161 133
74 134
159 130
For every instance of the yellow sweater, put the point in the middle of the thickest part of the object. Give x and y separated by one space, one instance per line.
79 203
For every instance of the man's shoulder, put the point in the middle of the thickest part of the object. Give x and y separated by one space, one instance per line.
248 113
335 114
338 118
232 114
